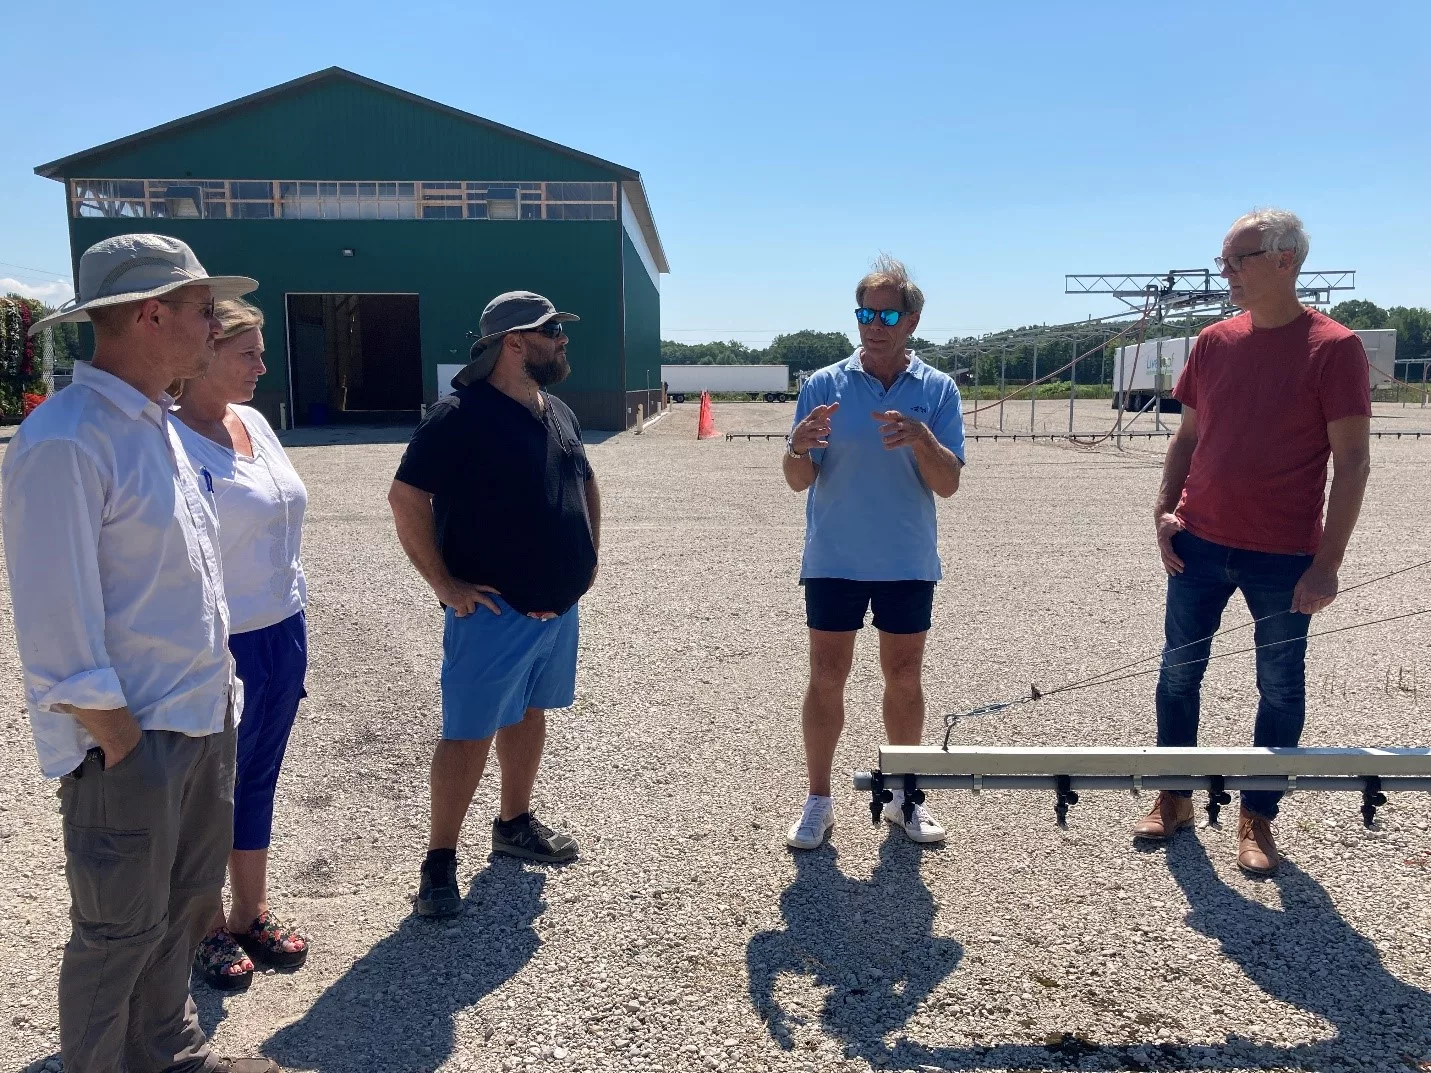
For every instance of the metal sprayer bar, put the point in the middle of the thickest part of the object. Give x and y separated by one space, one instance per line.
913 769
927 760
864 781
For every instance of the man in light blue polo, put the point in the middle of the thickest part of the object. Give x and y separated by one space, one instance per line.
877 436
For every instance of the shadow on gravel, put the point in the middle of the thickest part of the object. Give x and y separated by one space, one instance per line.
870 941
880 963
211 1004
393 1011
1306 955
1303 954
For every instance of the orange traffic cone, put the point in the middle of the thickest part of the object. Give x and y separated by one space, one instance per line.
705 428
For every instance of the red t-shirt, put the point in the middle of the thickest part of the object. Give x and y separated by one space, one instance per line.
1264 398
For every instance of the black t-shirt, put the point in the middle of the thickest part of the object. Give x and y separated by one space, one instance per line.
508 495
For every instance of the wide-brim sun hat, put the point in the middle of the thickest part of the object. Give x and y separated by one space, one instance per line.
133 268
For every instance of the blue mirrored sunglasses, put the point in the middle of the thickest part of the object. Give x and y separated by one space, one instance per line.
888 317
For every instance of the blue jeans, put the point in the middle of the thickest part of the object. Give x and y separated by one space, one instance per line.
1196 598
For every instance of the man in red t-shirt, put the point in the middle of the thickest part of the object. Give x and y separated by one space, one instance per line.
1268 396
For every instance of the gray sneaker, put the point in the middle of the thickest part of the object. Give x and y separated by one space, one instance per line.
527 837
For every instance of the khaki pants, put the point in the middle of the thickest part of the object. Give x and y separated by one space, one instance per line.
146 844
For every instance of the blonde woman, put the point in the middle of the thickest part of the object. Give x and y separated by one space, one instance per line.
260 501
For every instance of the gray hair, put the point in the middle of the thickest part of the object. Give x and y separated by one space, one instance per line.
887 272
1281 230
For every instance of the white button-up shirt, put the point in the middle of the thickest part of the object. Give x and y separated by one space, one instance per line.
111 547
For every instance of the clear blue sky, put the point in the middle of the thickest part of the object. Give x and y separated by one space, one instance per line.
992 147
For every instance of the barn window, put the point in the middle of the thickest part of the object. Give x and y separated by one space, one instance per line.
307 199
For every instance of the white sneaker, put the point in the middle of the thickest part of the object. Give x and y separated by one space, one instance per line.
816 821
922 827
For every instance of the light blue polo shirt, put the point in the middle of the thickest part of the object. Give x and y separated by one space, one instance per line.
869 516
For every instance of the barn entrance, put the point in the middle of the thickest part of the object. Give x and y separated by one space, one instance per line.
354 358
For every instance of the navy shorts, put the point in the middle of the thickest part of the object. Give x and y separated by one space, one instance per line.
838 605
495 667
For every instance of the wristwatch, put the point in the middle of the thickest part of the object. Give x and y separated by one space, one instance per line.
790 448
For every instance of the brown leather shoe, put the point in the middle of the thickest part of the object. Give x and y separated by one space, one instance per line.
1256 852
1169 815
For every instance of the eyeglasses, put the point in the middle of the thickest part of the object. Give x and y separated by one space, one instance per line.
551 331
888 317
206 308
1235 261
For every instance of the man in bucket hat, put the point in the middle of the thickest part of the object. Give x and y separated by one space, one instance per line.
111 546
497 507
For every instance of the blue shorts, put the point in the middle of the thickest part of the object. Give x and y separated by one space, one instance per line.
839 605
495 667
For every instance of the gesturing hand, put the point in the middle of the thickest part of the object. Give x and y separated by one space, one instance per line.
1168 526
814 431
464 597
899 430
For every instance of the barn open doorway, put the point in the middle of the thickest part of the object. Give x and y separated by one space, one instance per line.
354 358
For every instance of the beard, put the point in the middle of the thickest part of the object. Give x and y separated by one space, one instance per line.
549 370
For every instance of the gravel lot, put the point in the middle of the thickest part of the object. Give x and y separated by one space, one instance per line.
688 937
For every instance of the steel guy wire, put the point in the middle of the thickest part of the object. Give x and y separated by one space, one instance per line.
1114 674
1234 652
1094 678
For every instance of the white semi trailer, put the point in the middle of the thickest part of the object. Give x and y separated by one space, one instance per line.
770 382
1137 368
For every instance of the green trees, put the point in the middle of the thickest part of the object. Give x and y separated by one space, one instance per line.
67 338
1357 313
808 350
729 353
799 350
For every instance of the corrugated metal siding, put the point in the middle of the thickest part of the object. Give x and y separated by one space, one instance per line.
643 321
598 411
338 130
455 267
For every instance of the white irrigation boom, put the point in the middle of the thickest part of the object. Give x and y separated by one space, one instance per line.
1066 771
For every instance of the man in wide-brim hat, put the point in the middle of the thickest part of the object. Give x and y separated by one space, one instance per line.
129 269
497 507
112 550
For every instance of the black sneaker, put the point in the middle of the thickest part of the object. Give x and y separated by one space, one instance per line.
529 838
437 893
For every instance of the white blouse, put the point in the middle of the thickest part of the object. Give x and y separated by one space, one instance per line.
260 503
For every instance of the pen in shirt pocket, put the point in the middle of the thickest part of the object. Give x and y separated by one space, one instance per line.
208 479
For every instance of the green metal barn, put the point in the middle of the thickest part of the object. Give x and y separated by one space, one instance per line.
378 224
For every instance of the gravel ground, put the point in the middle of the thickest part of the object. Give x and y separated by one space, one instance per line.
688 937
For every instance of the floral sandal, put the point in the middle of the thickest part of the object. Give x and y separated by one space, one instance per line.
267 941
222 962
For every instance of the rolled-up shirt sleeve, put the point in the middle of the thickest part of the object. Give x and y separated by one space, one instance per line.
53 508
